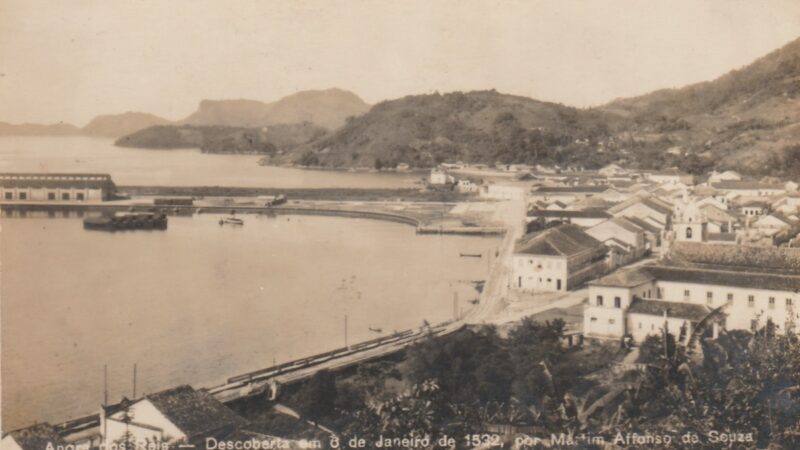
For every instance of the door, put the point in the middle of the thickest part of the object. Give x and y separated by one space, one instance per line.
558 284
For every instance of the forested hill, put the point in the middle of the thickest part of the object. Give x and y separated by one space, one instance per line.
481 126
748 119
271 140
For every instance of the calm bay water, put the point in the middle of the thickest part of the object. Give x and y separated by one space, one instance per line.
130 166
199 302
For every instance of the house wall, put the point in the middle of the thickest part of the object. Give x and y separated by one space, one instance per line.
740 313
539 273
8 443
42 195
641 325
142 412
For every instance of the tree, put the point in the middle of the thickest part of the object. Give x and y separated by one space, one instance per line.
316 399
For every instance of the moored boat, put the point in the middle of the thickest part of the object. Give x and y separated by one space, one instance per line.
137 221
231 221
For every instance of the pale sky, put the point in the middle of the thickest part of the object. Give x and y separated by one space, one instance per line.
71 60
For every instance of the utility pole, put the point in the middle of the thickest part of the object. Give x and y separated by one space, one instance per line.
134 381
105 385
345 332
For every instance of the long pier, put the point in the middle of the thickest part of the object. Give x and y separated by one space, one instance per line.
81 208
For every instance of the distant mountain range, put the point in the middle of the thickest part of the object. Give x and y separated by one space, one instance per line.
324 108
748 120
329 109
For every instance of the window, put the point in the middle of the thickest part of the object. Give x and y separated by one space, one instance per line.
51 195
640 325
688 232
658 293
593 319
686 294
9 196
23 195
65 196
709 297
617 302
772 303
789 302
599 300
79 196
753 325
611 321
751 301
730 298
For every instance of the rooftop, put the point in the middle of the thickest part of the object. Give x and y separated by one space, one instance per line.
36 437
563 240
745 185
55 180
194 412
689 311
573 189
584 213
626 278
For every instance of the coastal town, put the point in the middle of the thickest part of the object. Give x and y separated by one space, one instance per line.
624 254
399 224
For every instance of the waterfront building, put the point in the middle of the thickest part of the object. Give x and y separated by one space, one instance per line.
35 437
176 415
55 187
557 259
746 287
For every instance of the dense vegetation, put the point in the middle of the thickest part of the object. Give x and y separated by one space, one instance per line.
474 379
746 120
223 139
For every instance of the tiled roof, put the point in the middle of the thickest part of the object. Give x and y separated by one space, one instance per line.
689 311
740 257
647 226
563 240
195 413
36 437
627 224
745 185
56 180
585 213
630 277
726 276
650 203
572 189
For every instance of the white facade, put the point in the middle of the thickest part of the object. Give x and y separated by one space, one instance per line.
146 424
746 308
8 443
539 272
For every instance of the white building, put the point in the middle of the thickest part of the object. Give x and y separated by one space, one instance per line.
638 301
177 415
55 187
507 190
440 177
556 259
35 437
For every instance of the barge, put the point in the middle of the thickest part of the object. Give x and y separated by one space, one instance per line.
137 221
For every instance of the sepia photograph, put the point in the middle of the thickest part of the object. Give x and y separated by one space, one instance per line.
399 224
